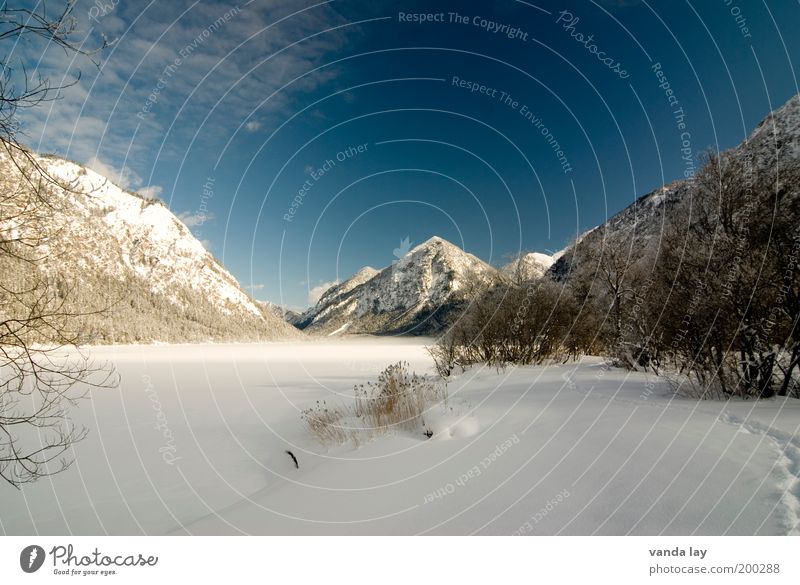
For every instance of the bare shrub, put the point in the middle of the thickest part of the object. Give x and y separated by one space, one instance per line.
689 385
712 299
510 323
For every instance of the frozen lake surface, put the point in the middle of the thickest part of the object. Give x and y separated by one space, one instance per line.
194 442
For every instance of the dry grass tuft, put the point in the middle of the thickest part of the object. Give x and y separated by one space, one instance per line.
396 401
325 423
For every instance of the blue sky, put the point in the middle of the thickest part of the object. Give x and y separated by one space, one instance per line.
304 140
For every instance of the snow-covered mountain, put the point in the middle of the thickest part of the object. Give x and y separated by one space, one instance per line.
284 313
644 219
528 266
415 295
332 297
777 134
132 257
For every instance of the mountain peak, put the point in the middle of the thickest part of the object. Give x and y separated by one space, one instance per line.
776 136
414 294
779 129
436 242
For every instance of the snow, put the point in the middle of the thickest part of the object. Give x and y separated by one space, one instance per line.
341 329
194 441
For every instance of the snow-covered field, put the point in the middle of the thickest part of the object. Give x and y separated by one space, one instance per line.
194 441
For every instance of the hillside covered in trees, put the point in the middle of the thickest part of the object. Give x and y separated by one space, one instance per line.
698 280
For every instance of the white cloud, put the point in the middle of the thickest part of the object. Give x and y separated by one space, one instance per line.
194 218
315 293
255 287
150 192
252 125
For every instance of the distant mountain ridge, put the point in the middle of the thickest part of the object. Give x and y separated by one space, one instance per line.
117 250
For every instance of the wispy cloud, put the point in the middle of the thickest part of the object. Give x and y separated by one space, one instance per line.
124 177
175 69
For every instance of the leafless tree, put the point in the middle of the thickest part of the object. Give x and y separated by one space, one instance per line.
733 280
610 279
43 372
21 89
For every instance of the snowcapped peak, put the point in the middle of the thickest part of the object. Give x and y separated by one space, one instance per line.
540 258
434 242
335 293
529 266
412 294
437 246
